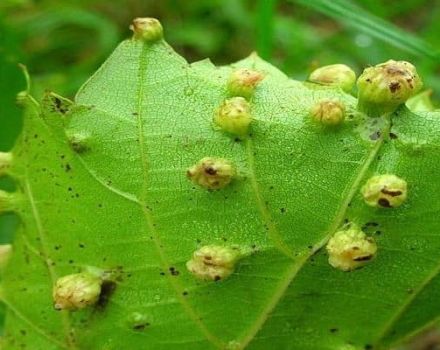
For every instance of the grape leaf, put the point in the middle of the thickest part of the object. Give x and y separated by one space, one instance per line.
102 183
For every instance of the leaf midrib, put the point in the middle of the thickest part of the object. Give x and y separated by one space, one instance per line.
164 262
266 217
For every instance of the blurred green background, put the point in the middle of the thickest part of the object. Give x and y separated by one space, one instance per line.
64 42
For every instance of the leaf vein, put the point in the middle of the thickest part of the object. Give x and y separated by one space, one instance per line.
272 230
149 218
296 266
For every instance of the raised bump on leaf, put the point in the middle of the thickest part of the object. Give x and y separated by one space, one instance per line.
242 82
76 291
335 75
138 321
79 142
385 191
5 162
233 345
213 262
328 112
7 201
384 87
212 173
147 28
234 116
350 249
5 254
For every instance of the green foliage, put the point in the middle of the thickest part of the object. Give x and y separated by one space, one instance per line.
102 185
354 16
63 42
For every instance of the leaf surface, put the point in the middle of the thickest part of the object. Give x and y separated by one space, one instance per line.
124 204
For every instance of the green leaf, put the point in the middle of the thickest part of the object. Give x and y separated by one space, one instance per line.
421 102
102 184
348 13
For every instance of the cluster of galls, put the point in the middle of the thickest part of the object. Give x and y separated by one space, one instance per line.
381 89
211 262
351 248
233 117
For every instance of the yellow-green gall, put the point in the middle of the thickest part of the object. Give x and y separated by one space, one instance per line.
234 116
76 291
350 249
384 87
7 201
213 262
212 173
336 75
385 191
148 29
328 112
138 321
5 162
242 82
79 142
